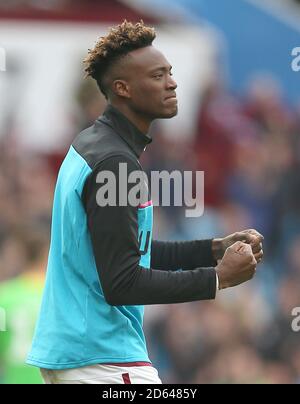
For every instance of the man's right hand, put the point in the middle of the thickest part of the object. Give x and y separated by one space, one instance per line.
237 266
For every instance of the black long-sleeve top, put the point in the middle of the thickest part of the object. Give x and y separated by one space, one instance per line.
114 230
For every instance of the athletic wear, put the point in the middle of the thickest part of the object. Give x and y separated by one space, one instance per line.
103 374
99 275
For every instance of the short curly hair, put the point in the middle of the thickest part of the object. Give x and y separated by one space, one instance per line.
109 49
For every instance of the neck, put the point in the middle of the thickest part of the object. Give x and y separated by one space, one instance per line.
141 122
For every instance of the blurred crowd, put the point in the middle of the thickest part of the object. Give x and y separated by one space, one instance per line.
249 149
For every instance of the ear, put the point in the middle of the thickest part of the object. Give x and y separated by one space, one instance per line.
121 88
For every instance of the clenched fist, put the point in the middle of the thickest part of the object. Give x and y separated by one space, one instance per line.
237 266
250 236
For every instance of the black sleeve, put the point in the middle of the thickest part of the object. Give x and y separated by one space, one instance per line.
167 255
114 235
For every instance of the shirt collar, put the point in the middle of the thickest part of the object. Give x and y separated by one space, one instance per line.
136 139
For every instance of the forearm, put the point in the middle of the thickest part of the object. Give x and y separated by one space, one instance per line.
142 286
125 282
184 255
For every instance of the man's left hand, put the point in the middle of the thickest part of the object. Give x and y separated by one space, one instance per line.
250 236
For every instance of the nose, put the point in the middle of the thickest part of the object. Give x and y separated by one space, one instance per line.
172 85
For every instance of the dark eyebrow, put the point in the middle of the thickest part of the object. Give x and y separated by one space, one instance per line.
161 68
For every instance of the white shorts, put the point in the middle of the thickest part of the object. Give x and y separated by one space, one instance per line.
103 374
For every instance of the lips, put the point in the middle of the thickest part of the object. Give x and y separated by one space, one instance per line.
173 96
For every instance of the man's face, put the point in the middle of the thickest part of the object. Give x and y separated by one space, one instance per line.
151 88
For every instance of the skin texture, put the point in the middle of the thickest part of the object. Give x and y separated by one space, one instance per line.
250 236
237 266
142 87
238 255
